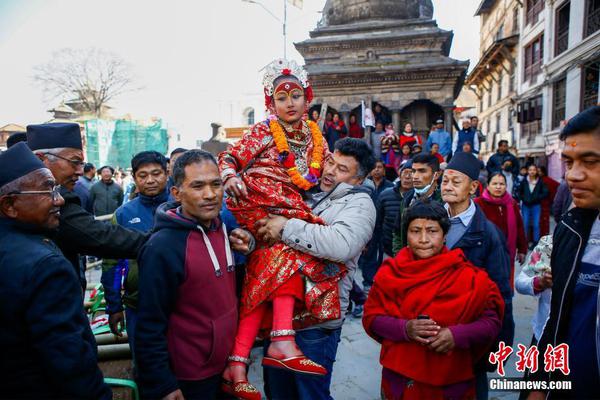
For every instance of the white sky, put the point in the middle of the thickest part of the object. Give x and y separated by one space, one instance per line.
185 54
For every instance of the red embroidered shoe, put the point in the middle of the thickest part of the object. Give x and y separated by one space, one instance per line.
299 364
241 390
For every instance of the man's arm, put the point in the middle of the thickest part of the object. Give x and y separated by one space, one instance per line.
428 143
498 261
476 143
342 239
159 280
97 238
58 330
490 164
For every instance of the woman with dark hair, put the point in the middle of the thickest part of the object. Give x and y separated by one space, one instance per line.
434 313
336 130
355 131
390 153
408 136
531 192
500 208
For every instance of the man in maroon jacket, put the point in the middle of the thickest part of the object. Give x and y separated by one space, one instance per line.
187 311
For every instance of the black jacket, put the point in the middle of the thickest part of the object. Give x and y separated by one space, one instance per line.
388 205
105 198
484 246
540 192
569 241
496 161
79 233
48 350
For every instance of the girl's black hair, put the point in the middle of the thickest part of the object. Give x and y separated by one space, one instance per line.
428 209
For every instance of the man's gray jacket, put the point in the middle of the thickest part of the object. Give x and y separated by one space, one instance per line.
350 216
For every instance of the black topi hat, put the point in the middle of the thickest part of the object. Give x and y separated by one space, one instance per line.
466 163
16 162
53 136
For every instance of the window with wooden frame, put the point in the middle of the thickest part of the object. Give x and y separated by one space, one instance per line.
500 80
559 101
590 77
529 115
533 10
515 21
561 37
533 55
592 17
498 122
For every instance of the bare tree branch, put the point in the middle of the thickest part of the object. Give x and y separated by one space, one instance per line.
92 76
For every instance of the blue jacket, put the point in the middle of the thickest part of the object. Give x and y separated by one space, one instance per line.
466 135
48 350
484 246
442 138
138 215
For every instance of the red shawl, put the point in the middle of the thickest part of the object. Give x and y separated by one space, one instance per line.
449 289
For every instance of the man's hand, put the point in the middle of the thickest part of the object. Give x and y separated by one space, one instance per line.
269 229
546 280
116 322
176 395
240 240
420 330
235 187
443 342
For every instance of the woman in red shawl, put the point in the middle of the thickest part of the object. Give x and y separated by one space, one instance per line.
267 172
434 313
504 211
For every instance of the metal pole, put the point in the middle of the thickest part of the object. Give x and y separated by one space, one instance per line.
285 29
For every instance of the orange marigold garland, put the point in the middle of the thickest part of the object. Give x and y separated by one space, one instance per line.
288 160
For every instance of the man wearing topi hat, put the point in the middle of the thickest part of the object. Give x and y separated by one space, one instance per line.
48 350
480 240
59 147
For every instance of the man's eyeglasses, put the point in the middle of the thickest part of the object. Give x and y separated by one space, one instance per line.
54 192
75 163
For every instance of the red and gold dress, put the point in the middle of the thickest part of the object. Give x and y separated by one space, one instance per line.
275 270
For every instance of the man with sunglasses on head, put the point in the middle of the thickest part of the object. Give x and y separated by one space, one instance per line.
48 350
59 147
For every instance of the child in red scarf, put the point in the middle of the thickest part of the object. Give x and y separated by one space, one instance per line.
434 313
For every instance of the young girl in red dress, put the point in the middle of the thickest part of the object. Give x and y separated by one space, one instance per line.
267 172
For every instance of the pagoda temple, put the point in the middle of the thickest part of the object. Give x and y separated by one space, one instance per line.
386 52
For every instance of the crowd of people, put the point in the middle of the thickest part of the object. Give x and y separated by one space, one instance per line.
266 240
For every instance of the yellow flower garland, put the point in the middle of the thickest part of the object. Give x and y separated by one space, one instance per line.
317 155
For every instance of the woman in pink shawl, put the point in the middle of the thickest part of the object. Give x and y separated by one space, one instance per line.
500 208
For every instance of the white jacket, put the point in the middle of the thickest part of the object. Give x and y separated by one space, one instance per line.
350 216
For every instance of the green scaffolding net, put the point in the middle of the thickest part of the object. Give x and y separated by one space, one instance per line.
115 142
